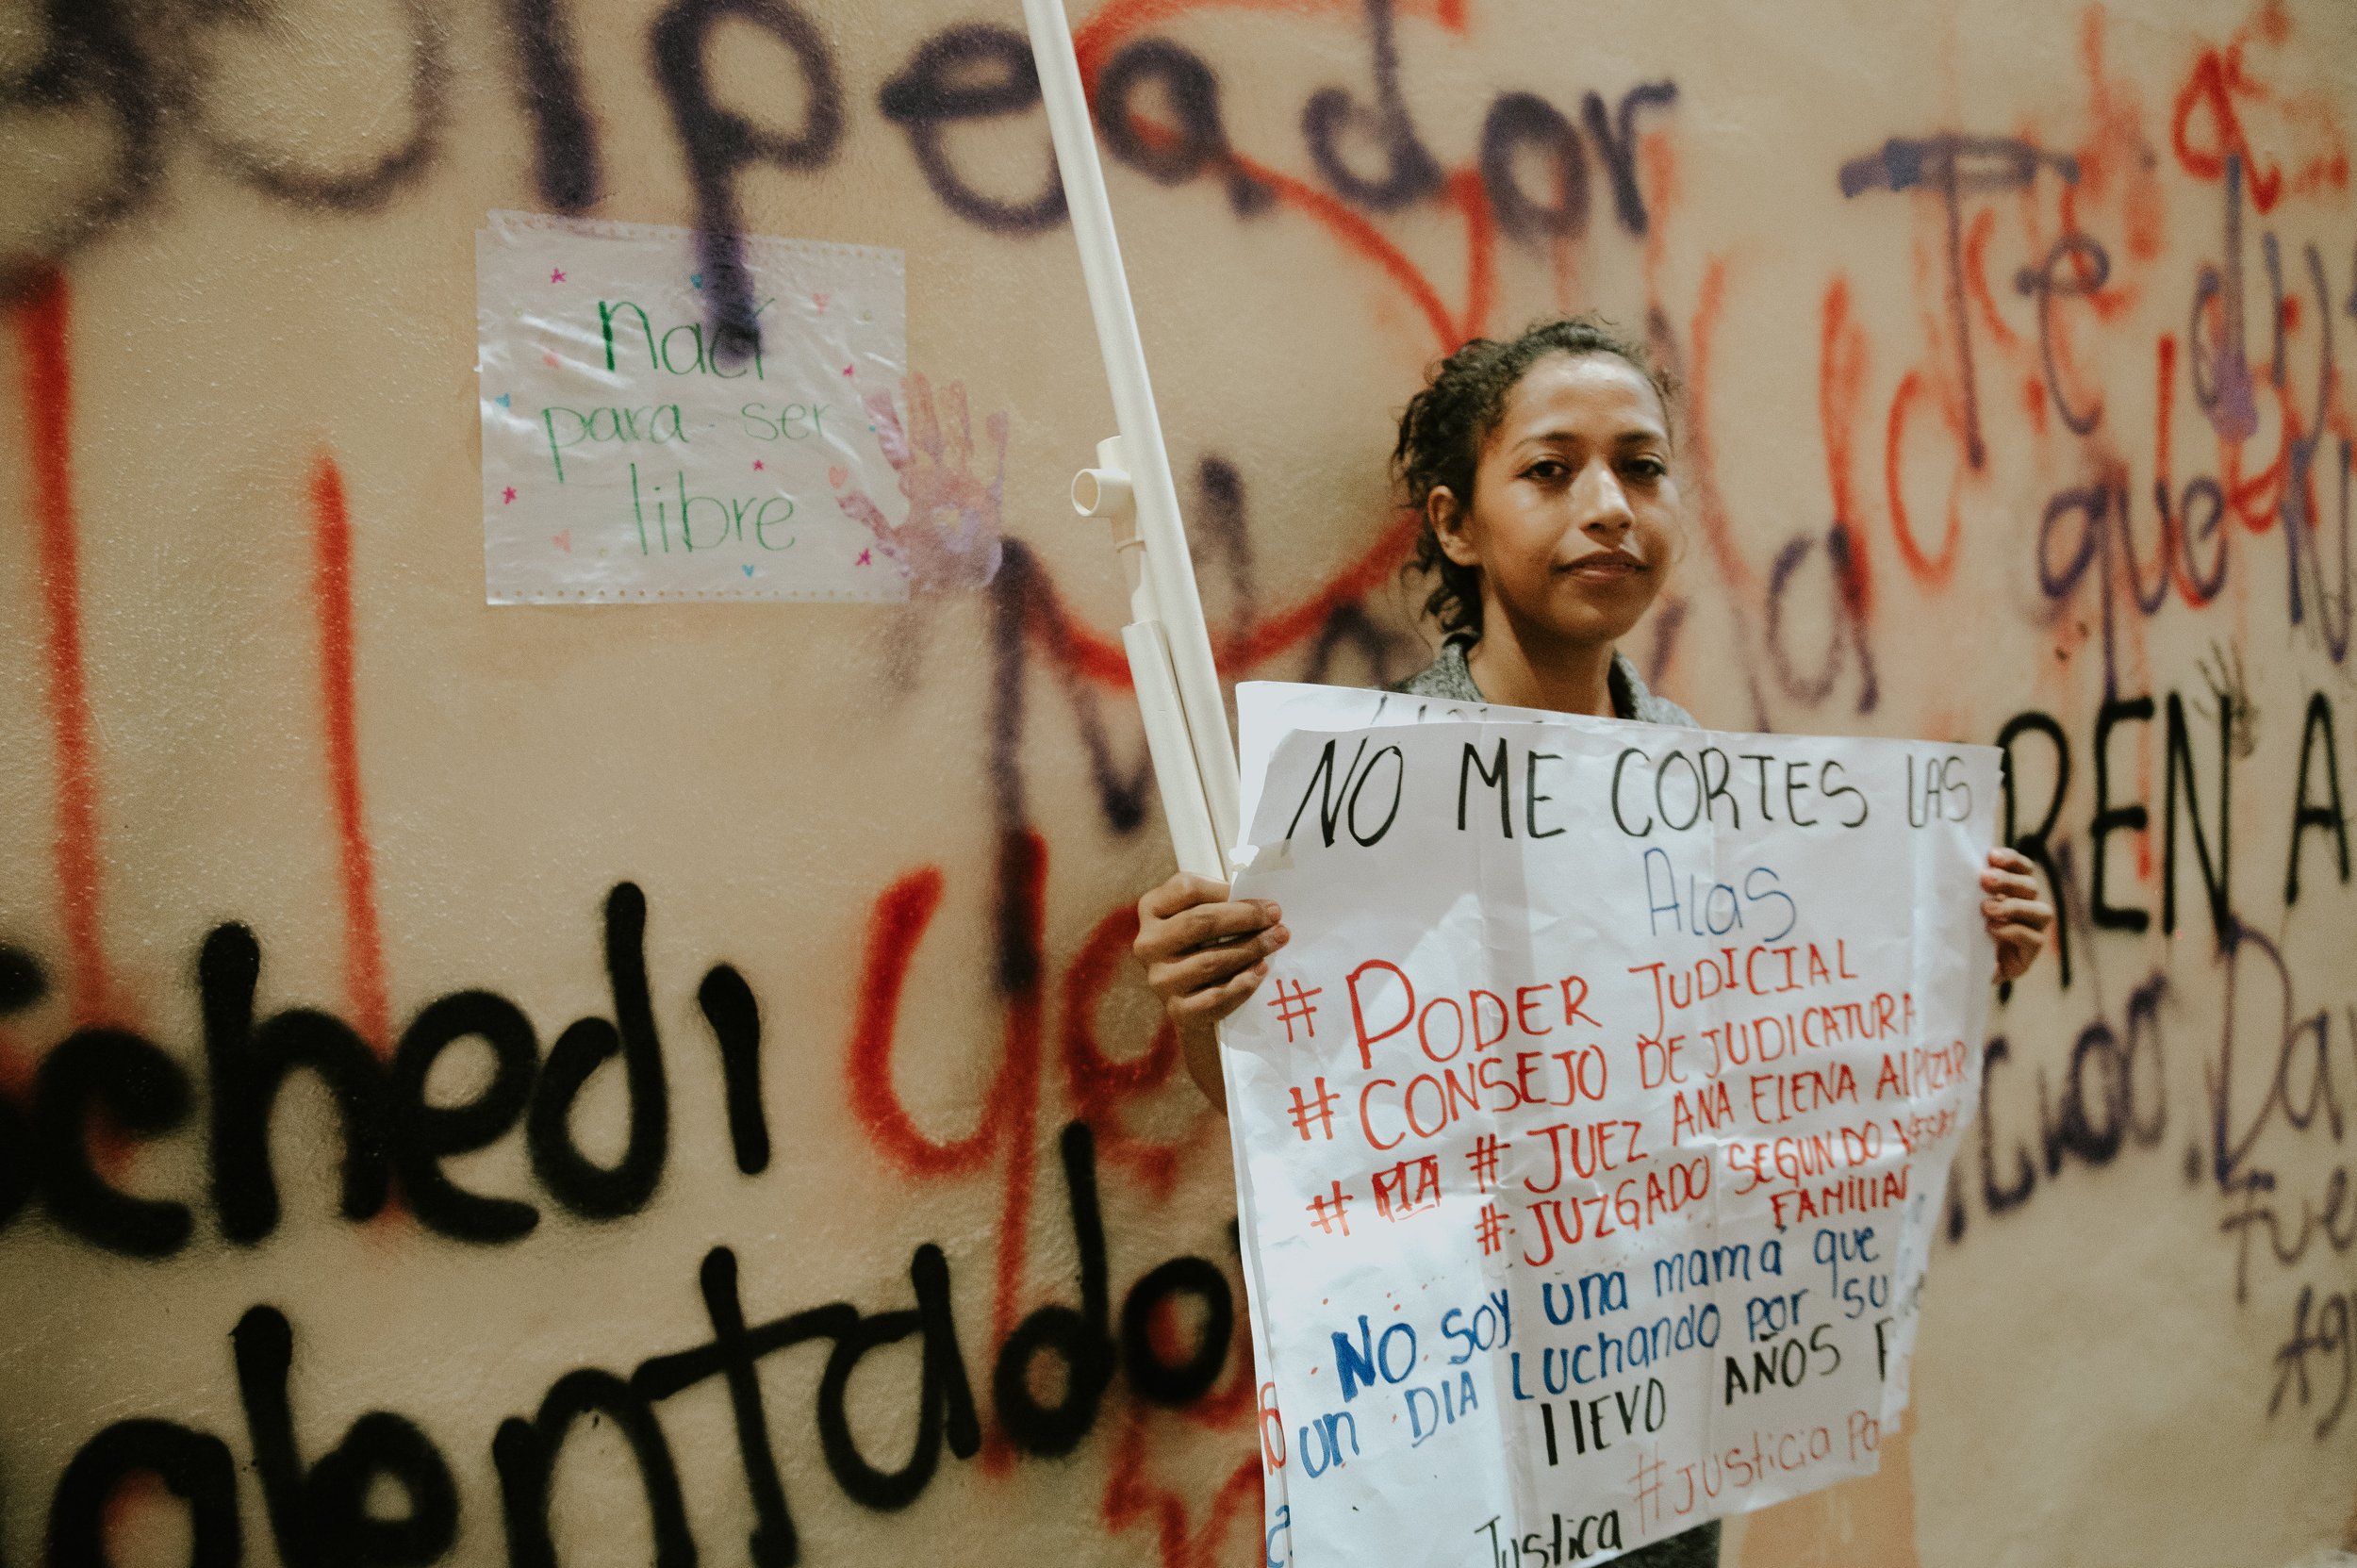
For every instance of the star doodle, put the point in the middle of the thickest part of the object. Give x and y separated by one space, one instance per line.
507 495
756 465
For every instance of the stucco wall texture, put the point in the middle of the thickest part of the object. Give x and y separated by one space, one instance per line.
2014 339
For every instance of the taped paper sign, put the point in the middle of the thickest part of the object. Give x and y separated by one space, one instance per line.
631 454
1591 1128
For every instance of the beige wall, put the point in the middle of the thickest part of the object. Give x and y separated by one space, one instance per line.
239 448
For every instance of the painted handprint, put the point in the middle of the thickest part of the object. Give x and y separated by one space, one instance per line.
950 540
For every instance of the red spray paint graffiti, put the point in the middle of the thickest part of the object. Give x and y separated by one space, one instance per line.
42 323
331 584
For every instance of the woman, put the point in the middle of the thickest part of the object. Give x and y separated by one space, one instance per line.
1542 468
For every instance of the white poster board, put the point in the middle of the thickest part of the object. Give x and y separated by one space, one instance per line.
632 454
1591 1128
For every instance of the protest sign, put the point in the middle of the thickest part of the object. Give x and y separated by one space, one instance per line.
635 452
1590 1129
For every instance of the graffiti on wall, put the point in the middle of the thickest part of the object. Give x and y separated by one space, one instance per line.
2123 316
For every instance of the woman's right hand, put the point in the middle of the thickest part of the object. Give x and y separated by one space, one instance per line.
1204 952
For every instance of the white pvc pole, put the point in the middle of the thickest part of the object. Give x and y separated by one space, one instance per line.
1169 569
1169 647
1183 807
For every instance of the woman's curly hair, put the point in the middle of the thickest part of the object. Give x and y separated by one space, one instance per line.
1444 427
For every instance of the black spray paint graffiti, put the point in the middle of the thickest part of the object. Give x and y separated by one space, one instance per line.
1024 607
2254 1144
1952 168
100 54
722 142
331 1510
1520 120
2311 811
973 71
372 181
1171 155
2113 1098
328 1512
147 68
2087 539
977 72
2108 1095
2197 796
1411 171
143 74
390 1133
112 1074
2250 1134
1845 637
389 1129
567 169
2302 529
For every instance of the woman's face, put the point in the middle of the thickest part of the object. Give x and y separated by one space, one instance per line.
1575 515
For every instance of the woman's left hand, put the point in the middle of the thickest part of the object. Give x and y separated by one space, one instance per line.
2018 917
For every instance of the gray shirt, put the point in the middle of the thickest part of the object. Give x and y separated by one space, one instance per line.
1449 679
